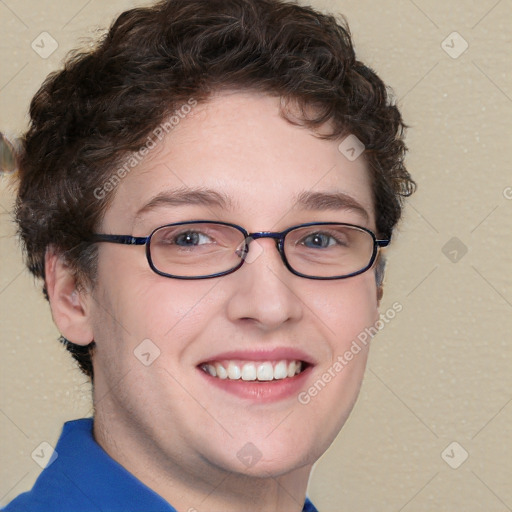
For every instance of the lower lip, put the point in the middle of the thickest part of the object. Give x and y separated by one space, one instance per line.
261 391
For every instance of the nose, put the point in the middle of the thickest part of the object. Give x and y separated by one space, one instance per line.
264 290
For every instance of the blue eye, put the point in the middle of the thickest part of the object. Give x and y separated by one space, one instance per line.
319 241
191 238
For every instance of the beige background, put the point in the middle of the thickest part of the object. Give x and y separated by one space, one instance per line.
440 371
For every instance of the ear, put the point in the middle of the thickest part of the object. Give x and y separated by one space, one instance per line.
69 306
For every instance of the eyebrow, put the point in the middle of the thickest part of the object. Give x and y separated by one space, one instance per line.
330 201
186 196
212 198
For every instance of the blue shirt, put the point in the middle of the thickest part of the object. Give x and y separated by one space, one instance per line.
84 478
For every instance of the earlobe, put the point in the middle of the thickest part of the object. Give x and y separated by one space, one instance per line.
69 306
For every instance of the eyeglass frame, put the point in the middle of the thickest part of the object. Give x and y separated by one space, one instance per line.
278 236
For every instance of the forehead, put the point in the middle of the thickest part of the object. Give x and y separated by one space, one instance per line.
236 153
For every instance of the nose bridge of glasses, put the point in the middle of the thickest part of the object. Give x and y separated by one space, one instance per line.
264 234
251 255
277 237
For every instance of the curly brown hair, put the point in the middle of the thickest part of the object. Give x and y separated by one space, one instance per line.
101 107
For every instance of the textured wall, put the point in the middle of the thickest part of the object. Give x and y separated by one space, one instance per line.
439 372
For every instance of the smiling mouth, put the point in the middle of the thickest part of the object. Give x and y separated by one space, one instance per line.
255 371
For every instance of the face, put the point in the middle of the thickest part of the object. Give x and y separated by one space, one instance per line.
238 148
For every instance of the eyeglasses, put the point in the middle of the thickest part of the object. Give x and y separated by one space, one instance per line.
204 249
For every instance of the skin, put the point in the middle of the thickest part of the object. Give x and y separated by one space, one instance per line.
176 434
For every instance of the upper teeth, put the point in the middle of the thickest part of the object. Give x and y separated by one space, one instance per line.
260 370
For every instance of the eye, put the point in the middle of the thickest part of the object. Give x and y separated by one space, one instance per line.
191 238
319 241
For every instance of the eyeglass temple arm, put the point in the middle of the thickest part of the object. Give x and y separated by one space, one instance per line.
120 239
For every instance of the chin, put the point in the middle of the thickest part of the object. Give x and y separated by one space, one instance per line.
264 459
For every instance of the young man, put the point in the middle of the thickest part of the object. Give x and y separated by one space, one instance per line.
205 195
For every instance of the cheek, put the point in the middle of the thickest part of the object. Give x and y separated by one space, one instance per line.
145 329
145 306
142 303
346 308
170 308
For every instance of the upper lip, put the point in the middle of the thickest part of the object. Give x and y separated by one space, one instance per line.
275 354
